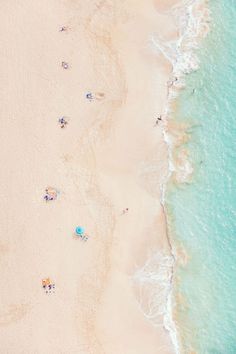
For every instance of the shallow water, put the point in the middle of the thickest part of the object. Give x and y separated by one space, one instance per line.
203 211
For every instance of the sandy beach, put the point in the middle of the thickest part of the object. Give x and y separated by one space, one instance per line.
111 156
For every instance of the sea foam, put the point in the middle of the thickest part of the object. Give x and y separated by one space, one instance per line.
155 278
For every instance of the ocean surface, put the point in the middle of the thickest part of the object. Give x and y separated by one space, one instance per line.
203 211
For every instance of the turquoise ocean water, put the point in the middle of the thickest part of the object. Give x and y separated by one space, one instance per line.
204 211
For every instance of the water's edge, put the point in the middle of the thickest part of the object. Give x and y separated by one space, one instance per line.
192 18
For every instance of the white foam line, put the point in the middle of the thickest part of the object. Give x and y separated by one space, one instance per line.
181 54
155 278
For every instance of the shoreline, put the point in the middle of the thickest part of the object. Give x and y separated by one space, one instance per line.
177 83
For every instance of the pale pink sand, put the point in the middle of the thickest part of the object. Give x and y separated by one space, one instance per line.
109 157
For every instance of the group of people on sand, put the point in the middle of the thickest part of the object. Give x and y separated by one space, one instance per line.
50 194
97 96
84 237
48 285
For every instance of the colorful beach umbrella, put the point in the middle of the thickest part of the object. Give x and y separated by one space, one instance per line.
79 230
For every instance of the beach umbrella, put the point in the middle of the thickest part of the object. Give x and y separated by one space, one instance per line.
79 230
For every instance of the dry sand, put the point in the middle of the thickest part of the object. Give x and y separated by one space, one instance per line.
109 157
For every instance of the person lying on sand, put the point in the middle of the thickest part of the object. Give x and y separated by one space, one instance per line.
84 237
62 29
97 96
65 65
62 122
89 96
125 211
50 194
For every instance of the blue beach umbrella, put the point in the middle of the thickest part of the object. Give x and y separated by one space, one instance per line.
79 230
